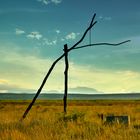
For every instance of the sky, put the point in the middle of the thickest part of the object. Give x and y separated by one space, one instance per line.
33 34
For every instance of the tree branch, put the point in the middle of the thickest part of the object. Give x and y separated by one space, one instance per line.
85 33
101 44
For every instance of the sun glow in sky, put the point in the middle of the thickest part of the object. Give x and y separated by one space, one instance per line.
33 33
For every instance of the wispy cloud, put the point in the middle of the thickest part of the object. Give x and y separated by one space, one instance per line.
106 18
19 31
8 88
71 36
57 31
35 35
48 42
62 39
56 1
46 2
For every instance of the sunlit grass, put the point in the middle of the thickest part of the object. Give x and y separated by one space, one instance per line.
46 120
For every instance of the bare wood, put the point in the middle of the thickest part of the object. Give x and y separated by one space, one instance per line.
53 65
42 85
85 33
66 78
104 43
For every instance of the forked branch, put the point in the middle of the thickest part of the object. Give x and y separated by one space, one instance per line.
92 23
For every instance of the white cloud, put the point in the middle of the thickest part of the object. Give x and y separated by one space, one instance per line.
105 18
71 36
35 35
50 43
54 42
100 17
57 31
31 35
19 31
3 91
62 39
38 36
46 2
56 1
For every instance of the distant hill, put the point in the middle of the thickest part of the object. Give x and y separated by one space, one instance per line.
84 90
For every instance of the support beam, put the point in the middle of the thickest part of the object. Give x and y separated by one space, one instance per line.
66 78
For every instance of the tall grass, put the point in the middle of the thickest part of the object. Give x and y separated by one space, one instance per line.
46 121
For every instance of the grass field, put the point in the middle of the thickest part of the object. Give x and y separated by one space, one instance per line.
46 120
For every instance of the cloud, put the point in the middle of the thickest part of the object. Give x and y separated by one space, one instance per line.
54 42
72 36
50 43
19 32
46 2
31 35
38 36
8 88
108 18
56 1
62 39
35 35
105 18
57 31
3 91
83 90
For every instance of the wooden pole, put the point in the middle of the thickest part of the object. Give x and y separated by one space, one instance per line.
66 78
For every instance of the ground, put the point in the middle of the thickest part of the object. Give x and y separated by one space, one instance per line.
46 120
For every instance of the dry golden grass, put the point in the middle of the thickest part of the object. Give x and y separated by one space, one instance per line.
46 120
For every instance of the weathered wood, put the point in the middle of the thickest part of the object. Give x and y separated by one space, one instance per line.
102 44
66 77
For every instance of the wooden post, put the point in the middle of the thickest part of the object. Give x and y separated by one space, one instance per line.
66 78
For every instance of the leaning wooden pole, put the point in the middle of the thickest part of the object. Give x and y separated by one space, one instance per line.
66 78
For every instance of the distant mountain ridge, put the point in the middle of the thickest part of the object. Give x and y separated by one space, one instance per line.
74 96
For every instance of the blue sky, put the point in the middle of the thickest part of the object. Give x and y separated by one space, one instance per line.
33 33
